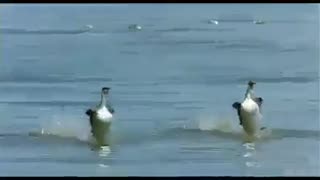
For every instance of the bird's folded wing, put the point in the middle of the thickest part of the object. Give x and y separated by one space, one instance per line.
110 108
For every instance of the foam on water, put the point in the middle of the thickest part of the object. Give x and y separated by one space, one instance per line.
225 125
67 126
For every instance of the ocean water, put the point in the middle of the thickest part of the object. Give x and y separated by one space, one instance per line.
173 84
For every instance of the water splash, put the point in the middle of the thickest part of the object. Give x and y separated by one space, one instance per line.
226 126
67 126
207 123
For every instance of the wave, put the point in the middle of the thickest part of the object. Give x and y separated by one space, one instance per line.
220 130
250 20
274 133
50 103
232 80
228 130
245 18
43 31
204 79
295 79
69 130
51 79
127 102
218 44
196 29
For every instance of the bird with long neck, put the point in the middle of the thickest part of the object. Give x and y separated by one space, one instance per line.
103 101
249 92
249 112
101 117
249 95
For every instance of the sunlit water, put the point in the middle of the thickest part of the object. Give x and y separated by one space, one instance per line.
173 85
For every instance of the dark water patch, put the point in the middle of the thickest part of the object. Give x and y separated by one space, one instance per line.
250 20
288 99
219 44
231 79
42 32
292 133
130 52
16 88
314 100
26 117
289 50
204 149
192 42
126 30
49 103
13 135
137 84
28 45
28 59
296 79
196 30
189 108
171 42
26 141
151 103
91 79
292 21
148 93
12 138
127 102
248 45
48 159
275 133
48 79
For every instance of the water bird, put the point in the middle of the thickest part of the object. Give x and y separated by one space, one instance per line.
259 22
101 118
135 27
249 111
211 21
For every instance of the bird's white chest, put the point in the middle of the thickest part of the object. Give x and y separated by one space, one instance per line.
250 106
103 114
251 116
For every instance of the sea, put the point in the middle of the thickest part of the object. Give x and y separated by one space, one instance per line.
173 83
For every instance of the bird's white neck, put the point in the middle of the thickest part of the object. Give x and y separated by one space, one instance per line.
103 101
249 93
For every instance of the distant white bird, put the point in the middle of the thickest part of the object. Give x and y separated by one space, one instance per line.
259 22
249 111
211 21
135 27
101 118
89 27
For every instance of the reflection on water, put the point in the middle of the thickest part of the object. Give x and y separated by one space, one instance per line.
249 155
104 151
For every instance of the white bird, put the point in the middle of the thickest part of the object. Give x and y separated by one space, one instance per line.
211 21
135 27
101 118
249 111
89 26
259 22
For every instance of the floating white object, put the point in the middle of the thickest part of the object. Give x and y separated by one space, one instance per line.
258 22
135 27
211 21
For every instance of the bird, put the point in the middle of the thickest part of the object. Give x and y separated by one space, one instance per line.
100 118
249 111
134 27
212 21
